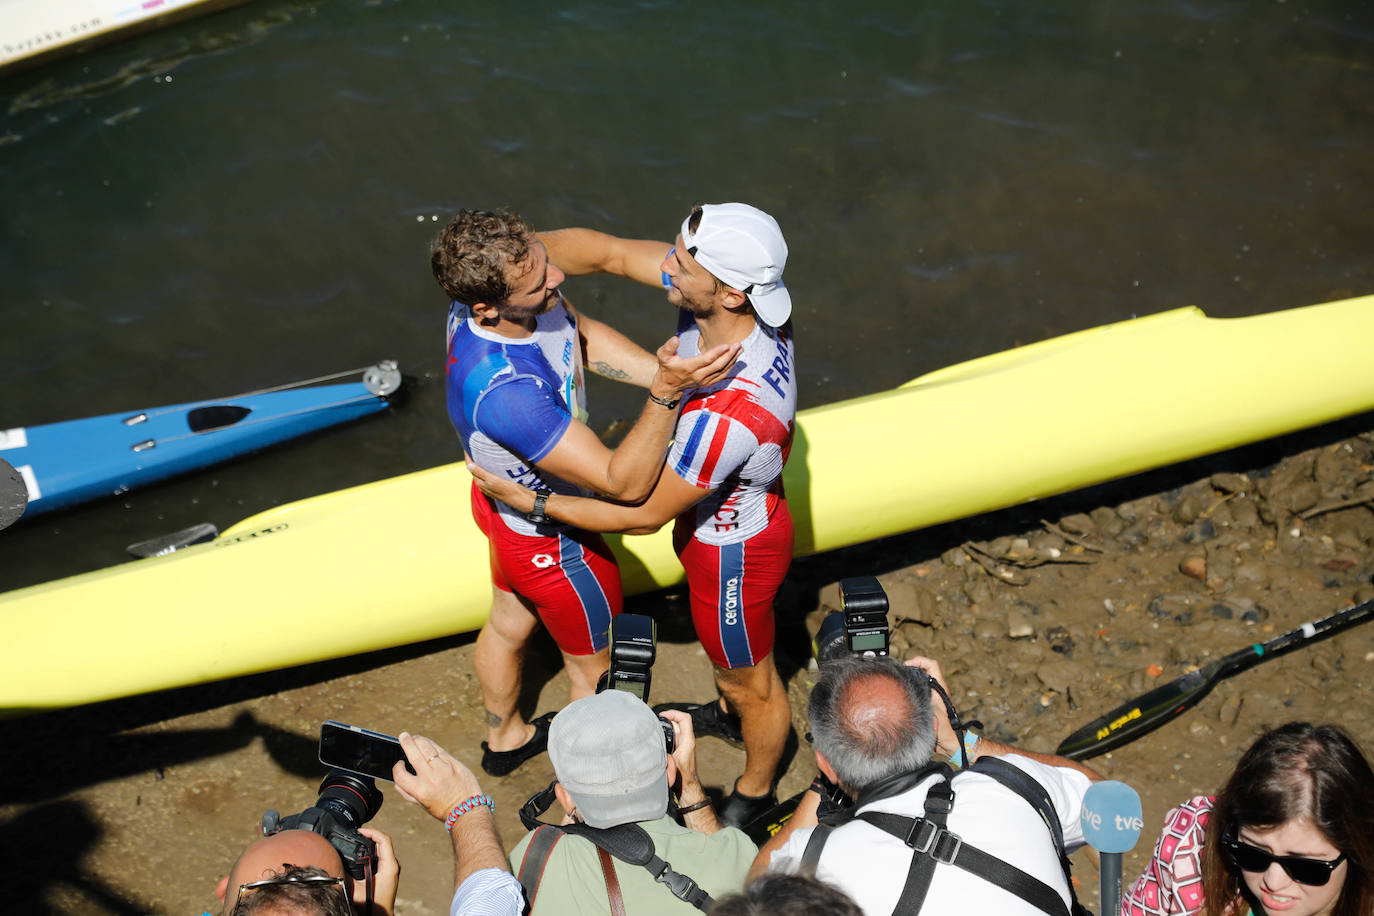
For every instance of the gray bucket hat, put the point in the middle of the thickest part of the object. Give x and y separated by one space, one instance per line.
608 753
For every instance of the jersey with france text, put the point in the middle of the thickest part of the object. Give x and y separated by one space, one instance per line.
512 399
733 437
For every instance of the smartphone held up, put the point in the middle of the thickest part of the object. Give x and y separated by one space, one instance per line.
360 750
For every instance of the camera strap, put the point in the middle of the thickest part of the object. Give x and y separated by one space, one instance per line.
932 844
629 843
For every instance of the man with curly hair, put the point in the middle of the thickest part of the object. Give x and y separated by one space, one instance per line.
514 381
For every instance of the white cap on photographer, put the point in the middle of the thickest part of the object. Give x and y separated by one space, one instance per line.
608 753
743 247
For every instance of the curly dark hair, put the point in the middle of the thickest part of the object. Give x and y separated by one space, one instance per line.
1298 770
470 256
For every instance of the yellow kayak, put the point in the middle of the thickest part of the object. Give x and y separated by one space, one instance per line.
399 560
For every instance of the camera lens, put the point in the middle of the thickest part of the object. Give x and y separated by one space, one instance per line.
353 799
830 638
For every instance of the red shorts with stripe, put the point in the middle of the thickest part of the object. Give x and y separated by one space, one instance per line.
732 587
571 578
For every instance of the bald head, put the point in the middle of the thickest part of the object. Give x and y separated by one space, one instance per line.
871 718
270 855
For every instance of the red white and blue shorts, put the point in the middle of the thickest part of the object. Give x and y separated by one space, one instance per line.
571 578
732 587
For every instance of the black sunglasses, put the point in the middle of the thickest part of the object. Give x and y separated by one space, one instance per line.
1312 872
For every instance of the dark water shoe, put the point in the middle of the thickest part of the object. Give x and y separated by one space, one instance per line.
499 763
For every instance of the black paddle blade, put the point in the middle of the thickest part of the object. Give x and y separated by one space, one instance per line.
1140 716
762 828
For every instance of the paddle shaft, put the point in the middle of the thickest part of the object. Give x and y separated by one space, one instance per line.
1147 712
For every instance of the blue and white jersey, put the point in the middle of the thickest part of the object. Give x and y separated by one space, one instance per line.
511 399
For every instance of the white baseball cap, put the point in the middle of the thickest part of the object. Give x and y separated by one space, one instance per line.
743 247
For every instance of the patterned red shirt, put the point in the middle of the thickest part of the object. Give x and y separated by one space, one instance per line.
1172 882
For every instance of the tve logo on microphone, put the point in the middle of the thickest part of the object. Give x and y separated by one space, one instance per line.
1111 818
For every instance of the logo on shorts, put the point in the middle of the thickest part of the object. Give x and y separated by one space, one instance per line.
732 601
542 560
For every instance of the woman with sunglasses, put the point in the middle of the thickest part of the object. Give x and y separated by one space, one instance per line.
1291 833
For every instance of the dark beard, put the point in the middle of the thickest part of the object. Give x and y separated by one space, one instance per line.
519 314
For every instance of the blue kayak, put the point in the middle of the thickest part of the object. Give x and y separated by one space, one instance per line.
62 464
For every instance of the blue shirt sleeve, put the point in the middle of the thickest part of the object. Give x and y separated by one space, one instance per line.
524 415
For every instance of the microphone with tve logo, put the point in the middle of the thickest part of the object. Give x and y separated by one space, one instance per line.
1111 822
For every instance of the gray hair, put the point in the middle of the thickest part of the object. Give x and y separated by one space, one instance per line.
861 747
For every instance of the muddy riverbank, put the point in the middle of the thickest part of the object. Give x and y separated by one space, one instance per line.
1044 617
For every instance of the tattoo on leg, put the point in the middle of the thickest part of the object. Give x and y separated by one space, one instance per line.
606 370
493 720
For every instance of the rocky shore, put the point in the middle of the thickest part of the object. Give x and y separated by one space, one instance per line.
1044 617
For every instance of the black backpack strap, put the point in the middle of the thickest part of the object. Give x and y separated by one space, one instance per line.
925 835
932 844
536 857
1026 786
815 844
631 843
1030 789
885 788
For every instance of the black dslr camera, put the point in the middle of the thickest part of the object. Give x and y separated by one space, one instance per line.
633 649
345 803
861 627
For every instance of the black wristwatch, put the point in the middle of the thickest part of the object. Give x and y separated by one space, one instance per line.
537 516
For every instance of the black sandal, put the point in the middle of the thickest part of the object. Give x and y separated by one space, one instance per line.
499 763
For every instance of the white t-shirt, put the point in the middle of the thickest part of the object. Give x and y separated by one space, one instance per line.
871 866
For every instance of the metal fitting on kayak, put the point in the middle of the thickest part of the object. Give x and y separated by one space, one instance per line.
383 379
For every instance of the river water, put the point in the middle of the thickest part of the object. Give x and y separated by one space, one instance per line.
247 198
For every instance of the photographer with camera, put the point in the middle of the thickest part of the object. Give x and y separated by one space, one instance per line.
990 839
619 846
298 870
447 789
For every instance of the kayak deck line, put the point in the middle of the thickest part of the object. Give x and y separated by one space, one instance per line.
399 561
77 460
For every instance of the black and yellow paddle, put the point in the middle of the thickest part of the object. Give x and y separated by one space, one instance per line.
1146 713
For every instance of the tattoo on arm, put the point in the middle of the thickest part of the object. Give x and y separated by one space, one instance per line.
493 720
605 369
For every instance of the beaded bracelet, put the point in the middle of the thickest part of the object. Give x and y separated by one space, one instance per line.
467 806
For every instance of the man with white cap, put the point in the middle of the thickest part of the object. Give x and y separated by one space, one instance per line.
613 768
723 479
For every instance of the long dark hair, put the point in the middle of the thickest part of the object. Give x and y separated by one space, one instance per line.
1298 770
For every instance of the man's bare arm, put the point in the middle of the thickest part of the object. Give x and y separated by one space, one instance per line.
585 251
989 748
629 473
803 817
440 783
947 743
611 354
671 496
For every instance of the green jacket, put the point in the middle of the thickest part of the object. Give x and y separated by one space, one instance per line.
573 883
